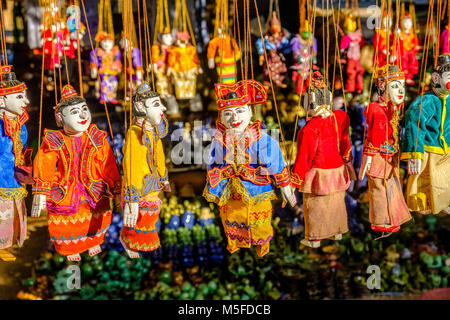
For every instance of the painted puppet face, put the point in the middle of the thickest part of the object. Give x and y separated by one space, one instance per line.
76 118
15 103
236 118
396 91
445 81
107 44
167 39
407 23
154 110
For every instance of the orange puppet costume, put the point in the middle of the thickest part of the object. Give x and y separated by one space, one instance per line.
225 52
321 167
183 66
78 175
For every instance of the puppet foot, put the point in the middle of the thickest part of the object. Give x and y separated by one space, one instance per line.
74 257
95 250
447 211
385 228
131 254
424 212
310 243
7 256
338 236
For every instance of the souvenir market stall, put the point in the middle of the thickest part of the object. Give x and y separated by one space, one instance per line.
224 149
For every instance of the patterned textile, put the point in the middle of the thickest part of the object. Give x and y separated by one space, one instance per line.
247 225
13 222
225 51
143 236
248 166
109 66
81 231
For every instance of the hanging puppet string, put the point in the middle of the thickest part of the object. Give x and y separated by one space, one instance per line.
427 37
98 75
236 24
309 50
148 43
271 84
3 38
249 38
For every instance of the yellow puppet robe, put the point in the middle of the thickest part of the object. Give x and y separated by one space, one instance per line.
183 65
144 174
225 53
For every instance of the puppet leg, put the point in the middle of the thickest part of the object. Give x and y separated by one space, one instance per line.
143 236
387 206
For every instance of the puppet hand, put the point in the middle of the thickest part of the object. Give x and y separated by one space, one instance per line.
39 203
366 167
211 63
130 214
94 73
166 187
288 195
414 166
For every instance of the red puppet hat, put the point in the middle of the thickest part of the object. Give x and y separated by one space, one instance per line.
239 94
7 75
67 92
317 80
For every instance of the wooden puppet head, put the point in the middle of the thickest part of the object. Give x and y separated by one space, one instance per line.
13 98
72 112
147 104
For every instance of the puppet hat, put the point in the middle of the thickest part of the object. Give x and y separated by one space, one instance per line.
389 72
6 77
67 92
317 80
240 94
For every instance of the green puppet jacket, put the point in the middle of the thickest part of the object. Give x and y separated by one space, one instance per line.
434 127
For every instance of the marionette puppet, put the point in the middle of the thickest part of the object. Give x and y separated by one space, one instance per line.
323 167
160 52
133 71
276 43
106 61
444 40
388 210
350 48
304 49
75 178
244 164
13 170
223 53
73 25
382 38
145 172
183 66
426 143
409 46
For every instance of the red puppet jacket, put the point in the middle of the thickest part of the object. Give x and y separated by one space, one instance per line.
382 136
323 146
